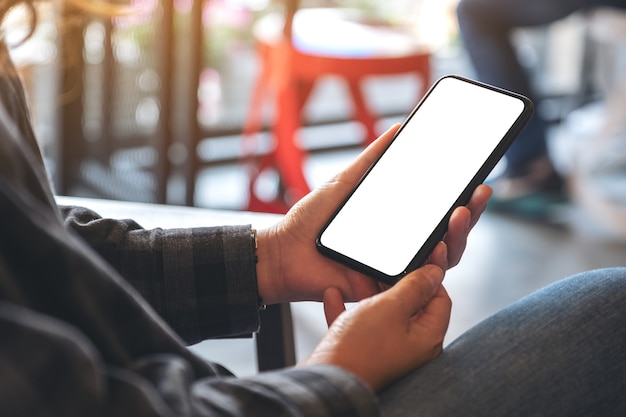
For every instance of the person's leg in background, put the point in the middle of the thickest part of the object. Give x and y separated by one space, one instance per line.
557 352
486 27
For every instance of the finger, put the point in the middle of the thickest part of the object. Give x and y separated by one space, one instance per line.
359 286
439 256
366 158
462 221
333 304
436 314
456 237
478 202
414 292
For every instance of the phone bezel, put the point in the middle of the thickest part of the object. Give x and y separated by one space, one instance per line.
440 230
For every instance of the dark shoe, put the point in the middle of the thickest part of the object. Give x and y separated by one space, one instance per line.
538 195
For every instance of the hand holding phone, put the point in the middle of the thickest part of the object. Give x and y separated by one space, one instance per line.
447 146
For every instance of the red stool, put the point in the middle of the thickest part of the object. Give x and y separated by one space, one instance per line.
290 66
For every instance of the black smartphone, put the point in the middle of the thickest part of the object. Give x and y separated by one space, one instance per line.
400 208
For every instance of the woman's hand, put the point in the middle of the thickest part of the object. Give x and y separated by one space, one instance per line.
384 337
291 269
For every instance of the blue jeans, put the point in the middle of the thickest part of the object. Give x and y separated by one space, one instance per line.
558 352
485 27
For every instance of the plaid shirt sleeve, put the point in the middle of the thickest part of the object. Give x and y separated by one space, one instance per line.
202 281
48 367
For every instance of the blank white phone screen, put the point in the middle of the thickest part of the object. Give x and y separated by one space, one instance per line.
406 195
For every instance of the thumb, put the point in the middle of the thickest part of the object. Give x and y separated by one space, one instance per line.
366 158
333 304
417 289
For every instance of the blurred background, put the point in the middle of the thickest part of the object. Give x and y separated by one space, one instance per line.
155 106
172 83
